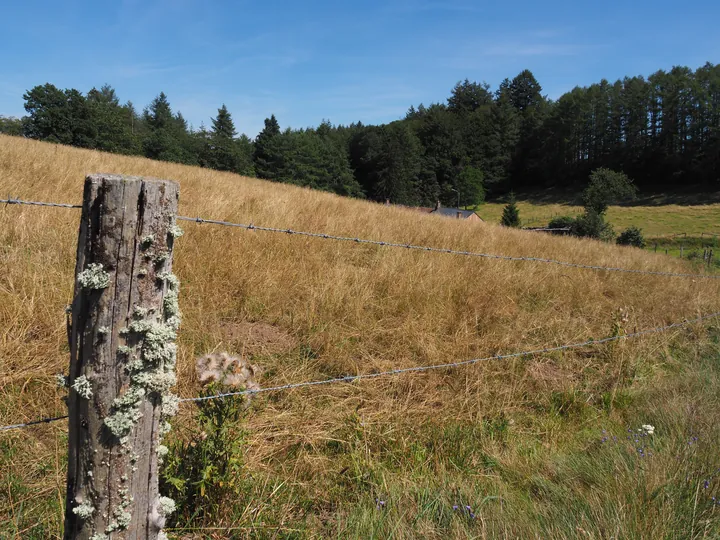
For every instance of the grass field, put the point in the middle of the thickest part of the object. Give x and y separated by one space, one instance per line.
654 220
545 446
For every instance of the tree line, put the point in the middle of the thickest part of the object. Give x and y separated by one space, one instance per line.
662 131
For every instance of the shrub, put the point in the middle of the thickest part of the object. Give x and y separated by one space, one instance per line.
632 236
562 222
592 225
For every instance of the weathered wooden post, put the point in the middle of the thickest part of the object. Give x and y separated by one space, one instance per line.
682 249
122 358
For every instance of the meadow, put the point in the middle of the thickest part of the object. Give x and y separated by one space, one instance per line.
543 446
655 220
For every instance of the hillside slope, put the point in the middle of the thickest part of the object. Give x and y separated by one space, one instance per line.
321 309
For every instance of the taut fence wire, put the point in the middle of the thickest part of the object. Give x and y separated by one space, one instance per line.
430 249
416 369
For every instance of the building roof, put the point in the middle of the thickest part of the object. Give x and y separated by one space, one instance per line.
453 212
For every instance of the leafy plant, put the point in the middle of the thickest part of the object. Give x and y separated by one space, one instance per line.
632 236
206 469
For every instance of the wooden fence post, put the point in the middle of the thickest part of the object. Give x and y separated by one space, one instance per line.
122 358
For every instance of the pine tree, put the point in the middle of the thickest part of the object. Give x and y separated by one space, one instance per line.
263 152
223 152
511 213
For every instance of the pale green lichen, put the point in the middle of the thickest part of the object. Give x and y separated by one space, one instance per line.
130 398
171 279
103 330
165 428
170 405
123 518
166 506
94 277
140 312
162 536
102 536
83 387
175 231
62 380
161 452
156 382
161 256
124 349
142 272
121 422
84 510
147 241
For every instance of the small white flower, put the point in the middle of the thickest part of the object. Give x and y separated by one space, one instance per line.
647 428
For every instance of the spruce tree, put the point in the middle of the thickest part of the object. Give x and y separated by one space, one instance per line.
263 152
223 151
511 214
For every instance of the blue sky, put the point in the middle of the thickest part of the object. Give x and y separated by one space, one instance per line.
342 61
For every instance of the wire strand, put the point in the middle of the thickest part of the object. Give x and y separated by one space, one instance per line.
33 423
398 245
443 250
10 200
351 378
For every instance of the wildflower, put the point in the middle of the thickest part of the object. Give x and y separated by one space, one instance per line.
379 504
706 484
647 429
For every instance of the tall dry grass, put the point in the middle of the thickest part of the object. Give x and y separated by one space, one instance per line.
340 308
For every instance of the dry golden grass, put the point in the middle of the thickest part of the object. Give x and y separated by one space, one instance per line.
356 308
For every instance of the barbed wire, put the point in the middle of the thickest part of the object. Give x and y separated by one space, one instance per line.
351 378
358 240
33 423
443 250
10 200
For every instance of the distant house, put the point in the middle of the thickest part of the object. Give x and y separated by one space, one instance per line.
456 213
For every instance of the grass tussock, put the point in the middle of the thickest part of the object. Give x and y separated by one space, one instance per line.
516 441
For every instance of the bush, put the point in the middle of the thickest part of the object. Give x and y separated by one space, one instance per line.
562 222
592 225
632 236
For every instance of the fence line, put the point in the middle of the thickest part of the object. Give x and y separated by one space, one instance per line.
358 240
10 200
443 250
352 378
33 423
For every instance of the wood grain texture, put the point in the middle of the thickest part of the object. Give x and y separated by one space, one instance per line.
116 477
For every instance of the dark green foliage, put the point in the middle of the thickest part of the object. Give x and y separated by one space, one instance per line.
220 149
607 187
592 225
169 138
632 236
113 122
562 222
663 131
511 213
10 125
201 473
263 153
470 186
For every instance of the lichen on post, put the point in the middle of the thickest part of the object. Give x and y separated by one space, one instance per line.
125 318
